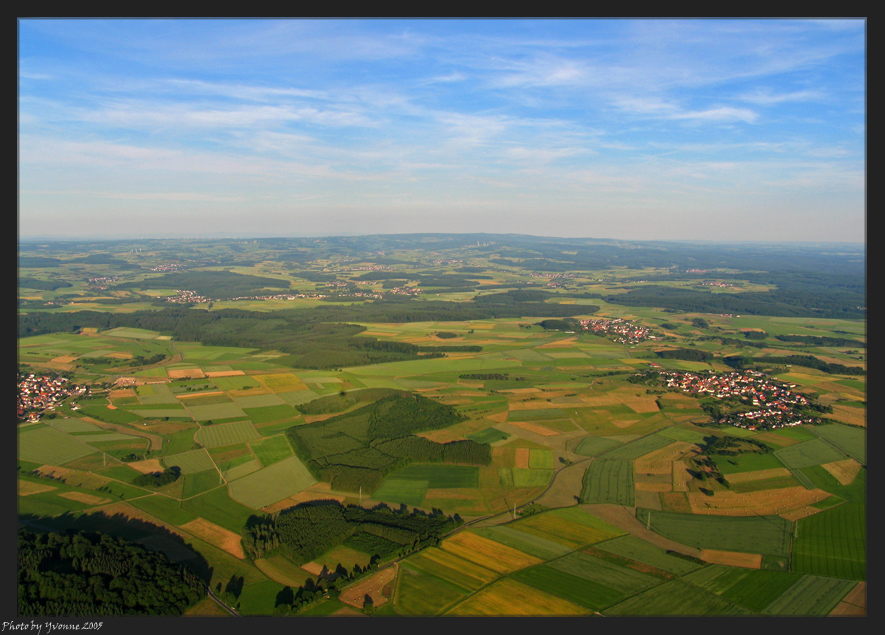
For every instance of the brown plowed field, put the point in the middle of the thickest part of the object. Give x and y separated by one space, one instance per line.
853 604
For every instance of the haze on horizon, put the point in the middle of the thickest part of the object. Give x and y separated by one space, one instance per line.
708 130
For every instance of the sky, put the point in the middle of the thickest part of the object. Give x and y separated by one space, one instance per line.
666 129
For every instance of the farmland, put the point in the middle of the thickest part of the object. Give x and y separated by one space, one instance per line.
580 488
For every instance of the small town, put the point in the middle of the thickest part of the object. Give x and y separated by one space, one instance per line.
37 393
775 400
618 330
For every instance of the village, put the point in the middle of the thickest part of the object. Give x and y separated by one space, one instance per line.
38 393
775 402
618 330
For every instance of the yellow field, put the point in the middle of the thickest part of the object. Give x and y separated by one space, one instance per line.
509 597
561 530
843 471
281 382
488 553
733 558
534 427
186 373
26 488
850 415
216 536
758 475
768 502
457 564
224 373
148 466
82 497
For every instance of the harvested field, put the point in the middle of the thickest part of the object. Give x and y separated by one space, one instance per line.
673 502
186 373
647 499
26 488
521 458
216 536
850 415
147 467
854 603
122 392
764 503
758 475
373 586
509 597
64 359
313 568
802 512
624 423
567 483
487 553
732 558
82 497
224 373
681 476
534 427
843 471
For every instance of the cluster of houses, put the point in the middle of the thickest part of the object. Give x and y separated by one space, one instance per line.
619 330
774 401
37 393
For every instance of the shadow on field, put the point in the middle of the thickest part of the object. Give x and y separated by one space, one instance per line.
152 537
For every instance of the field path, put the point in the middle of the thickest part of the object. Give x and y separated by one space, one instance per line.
624 518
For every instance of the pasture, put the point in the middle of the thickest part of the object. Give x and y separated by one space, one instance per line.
270 450
42 444
226 434
808 453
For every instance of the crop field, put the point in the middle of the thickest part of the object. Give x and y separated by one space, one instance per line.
809 453
420 593
531 544
196 483
42 444
217 507
647 553
851 440
410 492
227 434
587 593
759 534
215 411
453 569
747 463
757 589
637 448
487 553
833 542
594 446
190 462
270 450
562 530
508 597
676 598
271 484
541 459
608 481
811 595
625 580
518 477
439 476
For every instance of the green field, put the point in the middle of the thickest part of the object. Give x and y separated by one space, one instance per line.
811 595
758 534
271 484
641 551
808 453
438 476
227 434
852 440
637 448
270 450
608 481
591 594
42 444
676 598
410 492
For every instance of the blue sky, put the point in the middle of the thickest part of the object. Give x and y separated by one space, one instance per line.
626 129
